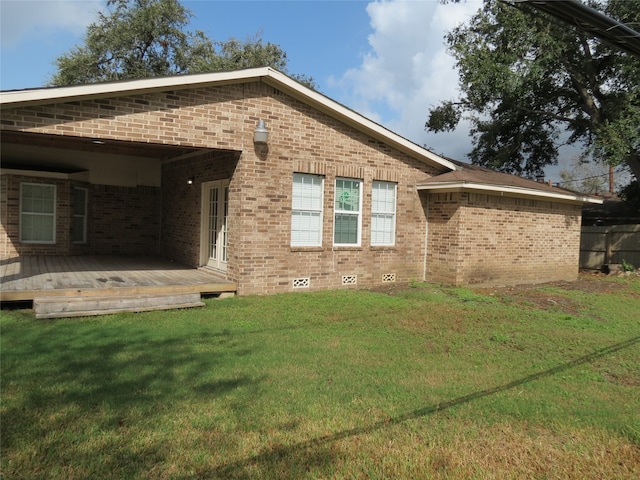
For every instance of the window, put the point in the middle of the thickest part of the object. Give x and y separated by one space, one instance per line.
383 213
348 212
37 213
306 210
79 228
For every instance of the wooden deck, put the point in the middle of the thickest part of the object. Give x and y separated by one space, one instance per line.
25 278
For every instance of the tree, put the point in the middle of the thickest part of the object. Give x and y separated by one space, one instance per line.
148 38
526 79
585 177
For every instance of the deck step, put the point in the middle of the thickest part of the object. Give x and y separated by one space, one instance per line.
55 307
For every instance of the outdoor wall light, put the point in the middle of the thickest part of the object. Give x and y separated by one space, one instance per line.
260 134
190 181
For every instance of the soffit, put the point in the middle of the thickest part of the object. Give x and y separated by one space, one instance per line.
103 146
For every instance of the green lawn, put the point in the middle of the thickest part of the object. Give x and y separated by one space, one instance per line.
423 382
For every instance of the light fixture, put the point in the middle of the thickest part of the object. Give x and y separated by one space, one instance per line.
190 181
260 134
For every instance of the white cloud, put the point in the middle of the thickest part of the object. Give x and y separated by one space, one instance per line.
24 20
408 70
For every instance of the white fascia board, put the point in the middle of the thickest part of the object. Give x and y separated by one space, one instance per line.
327 105
515 191
76 92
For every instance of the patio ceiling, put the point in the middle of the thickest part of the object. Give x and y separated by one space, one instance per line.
83 144
67 154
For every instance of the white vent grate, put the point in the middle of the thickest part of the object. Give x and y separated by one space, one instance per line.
349 279
388 278
301 282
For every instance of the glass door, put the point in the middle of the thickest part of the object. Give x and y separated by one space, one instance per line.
215 213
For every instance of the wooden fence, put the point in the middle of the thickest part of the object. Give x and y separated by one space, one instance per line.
609 245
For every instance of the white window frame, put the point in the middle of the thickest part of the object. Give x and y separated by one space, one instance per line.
307 202
378 211
40 214
338 211
84 216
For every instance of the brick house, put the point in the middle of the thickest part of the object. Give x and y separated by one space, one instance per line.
171 167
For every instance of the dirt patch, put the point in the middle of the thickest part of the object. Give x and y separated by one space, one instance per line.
536 295
539 297
623 380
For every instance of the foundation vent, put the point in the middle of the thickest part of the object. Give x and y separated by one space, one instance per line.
389 278
301 282
349 279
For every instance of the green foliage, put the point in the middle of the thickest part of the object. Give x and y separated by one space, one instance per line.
627 267
585 177
148 38
525 78
631 194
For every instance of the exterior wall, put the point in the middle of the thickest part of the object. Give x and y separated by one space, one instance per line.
307 141
213 117
502 240
181 203
124 220
302 139
10 216
444 225
472 238
6 246
121 220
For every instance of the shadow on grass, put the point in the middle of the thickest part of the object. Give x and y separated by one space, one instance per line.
273 461
79 397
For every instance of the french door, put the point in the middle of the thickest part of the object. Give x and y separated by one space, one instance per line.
215 207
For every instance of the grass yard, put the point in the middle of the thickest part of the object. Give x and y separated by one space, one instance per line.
426 382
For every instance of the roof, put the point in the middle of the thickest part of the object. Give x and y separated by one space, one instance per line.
460 175
280 81
469 177
589 20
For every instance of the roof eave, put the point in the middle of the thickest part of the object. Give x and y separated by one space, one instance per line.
352 118
508 190
41 96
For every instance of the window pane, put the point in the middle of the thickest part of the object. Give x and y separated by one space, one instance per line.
306 210
383 212
347 195
78 229
38 198
79 201
37 219
382 229
37 228
305 228
346 229
307 192
383 198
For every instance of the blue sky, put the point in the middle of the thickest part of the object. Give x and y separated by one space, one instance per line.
384 59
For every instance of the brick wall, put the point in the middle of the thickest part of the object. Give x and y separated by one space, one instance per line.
121 220
302 139
181 203
488 239
307 141
10 217
444 224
